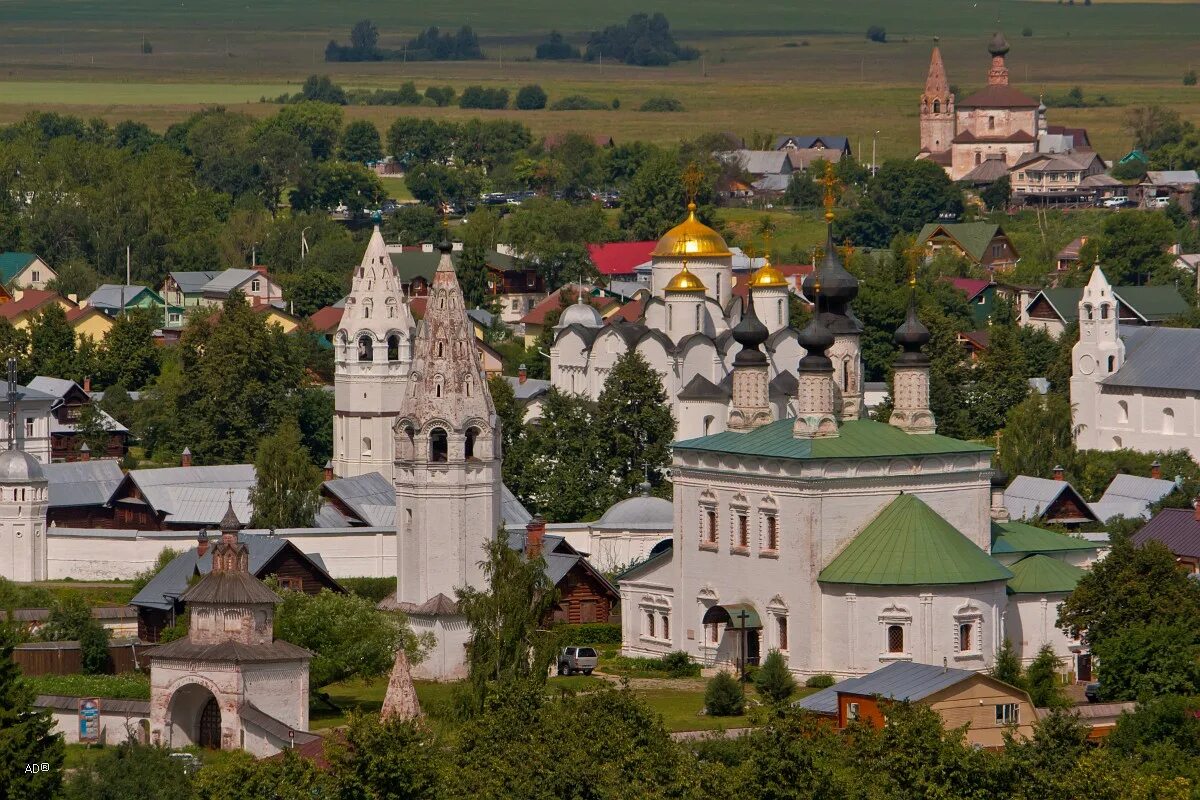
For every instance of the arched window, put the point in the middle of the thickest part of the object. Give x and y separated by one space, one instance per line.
366 348
937 106
1168 425
846 375
991 123
394 347
650 624
697 319
1087 311
1122 411
439 445
708 421
895 638
437 388
407 442
966 637
366 445
1112 363
1104 310
670 316
366 312
978 158
666 626
779 316
441 349
469 444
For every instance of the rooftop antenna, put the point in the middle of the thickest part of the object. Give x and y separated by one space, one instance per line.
13 397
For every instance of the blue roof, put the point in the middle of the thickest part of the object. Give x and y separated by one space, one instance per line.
900 680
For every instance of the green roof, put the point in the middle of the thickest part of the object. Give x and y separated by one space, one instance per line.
908 544
412 264
972 237
861 438
1020 538
1151 303
1042 574
11 264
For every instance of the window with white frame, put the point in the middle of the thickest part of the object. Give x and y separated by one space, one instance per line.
708 521
650 624
255 285
1008 714
968 631
851 712
894 623
770 533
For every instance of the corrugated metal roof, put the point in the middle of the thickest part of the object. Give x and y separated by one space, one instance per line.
172 581
12 263
108 705
193 282
901 680
280 730
531 388
102 417
370 496
225 282
1176 528
856 439
1173 177
53 387
1043 574
1027 497
162 489
511 509
1131 496
115 297
1017 537
1159 358
909 544
82 483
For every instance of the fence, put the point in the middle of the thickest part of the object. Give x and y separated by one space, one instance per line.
64 658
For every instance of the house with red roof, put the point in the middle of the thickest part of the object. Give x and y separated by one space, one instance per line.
620 260
535 321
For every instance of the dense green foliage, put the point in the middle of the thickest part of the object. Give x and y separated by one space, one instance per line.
25 735
774 680
724 696
286 492
130 771
643 41
125 686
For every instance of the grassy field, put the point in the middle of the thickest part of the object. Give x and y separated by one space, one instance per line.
767 67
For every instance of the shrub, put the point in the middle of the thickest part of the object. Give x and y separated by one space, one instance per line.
530 98
576 102
661 104
93 648
585 633
876 33
371 588
441 96
678 664
1189 78
774 680
126 686
723 697
555 48
616 103
479 97
820 682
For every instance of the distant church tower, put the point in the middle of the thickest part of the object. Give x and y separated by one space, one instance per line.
1098 354
447 474
937 108
372 359
23 503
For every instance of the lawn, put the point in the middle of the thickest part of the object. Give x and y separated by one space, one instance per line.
397 189
793 231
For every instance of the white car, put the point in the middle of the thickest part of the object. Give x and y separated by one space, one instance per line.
1116 202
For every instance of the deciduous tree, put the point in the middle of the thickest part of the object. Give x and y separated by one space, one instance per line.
285 494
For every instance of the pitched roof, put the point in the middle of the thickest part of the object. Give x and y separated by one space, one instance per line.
196 494
760 162
1020 137
900 680
1150 303
701 388
326 320
230 587
1043 574
537 314
989 170
12 263
225 282
620 258
856 439
82 483
805 142
560 558
193 282
30 300
971 287
1131 496
1174 177
370 496
229 650
631 311
1176 528
280 730
972 237
531 388
116 297
1027 497
109 705
1019 538
998 96
1155 358
909 544
803 157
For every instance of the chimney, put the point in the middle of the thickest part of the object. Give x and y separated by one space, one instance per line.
328 470
87 385
535 534
85 452
1156 470
522 374
185 460
1058 473
202 542
1196 509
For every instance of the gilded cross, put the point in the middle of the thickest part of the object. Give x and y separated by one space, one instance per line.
692 177
830 182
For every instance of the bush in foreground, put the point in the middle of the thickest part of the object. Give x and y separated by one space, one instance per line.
723 697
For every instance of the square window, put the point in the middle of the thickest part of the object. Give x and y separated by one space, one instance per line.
1008 714
851 711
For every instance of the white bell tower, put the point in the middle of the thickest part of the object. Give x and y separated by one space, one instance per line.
23 500
372 359
1098 354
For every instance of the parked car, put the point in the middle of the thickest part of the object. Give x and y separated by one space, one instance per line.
1159 202
1117 201
1092 692
577 659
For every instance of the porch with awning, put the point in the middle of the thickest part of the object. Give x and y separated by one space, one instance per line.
738 616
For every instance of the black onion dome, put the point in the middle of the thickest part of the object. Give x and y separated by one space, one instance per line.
444 244
999 478
750 333
912 335
998 46
816 340
838 286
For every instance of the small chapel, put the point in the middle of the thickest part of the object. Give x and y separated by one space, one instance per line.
845 543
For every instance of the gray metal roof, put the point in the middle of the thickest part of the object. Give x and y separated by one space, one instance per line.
481 316
1173 177
172 581
760 162
108 705
17 466
559 555
114 296
531 388
225 282
511 509
1027 497
52 387
173 490
370 496
637 513
701 388
82 483
193 282
1131 496
328 516
280 730
1159 358
900 680
102 417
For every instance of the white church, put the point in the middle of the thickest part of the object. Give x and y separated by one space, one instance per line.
844 543
1135 387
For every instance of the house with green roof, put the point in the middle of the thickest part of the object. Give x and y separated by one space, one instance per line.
24 271
984 244
1053 310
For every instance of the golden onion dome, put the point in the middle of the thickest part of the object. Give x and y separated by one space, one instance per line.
685 281
767 277
691 239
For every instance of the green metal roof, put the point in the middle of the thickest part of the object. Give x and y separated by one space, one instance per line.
908 544
972 237
11 264
1043 574
1020 538
862 438
418 264
1151 303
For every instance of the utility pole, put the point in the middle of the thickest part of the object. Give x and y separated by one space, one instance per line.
128 272
873 137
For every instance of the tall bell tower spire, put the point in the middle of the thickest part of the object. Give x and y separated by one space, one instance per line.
447 473
937 107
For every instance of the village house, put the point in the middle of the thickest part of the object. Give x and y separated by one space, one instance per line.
584 594
1046 501
1053 310
832 148
67 413
186 289
24 271
1159 188
1177 529
984 244
1056 177
256 285
115 300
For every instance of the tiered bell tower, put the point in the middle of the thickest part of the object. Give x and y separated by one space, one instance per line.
447 474
937 108
1098 354
372 359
